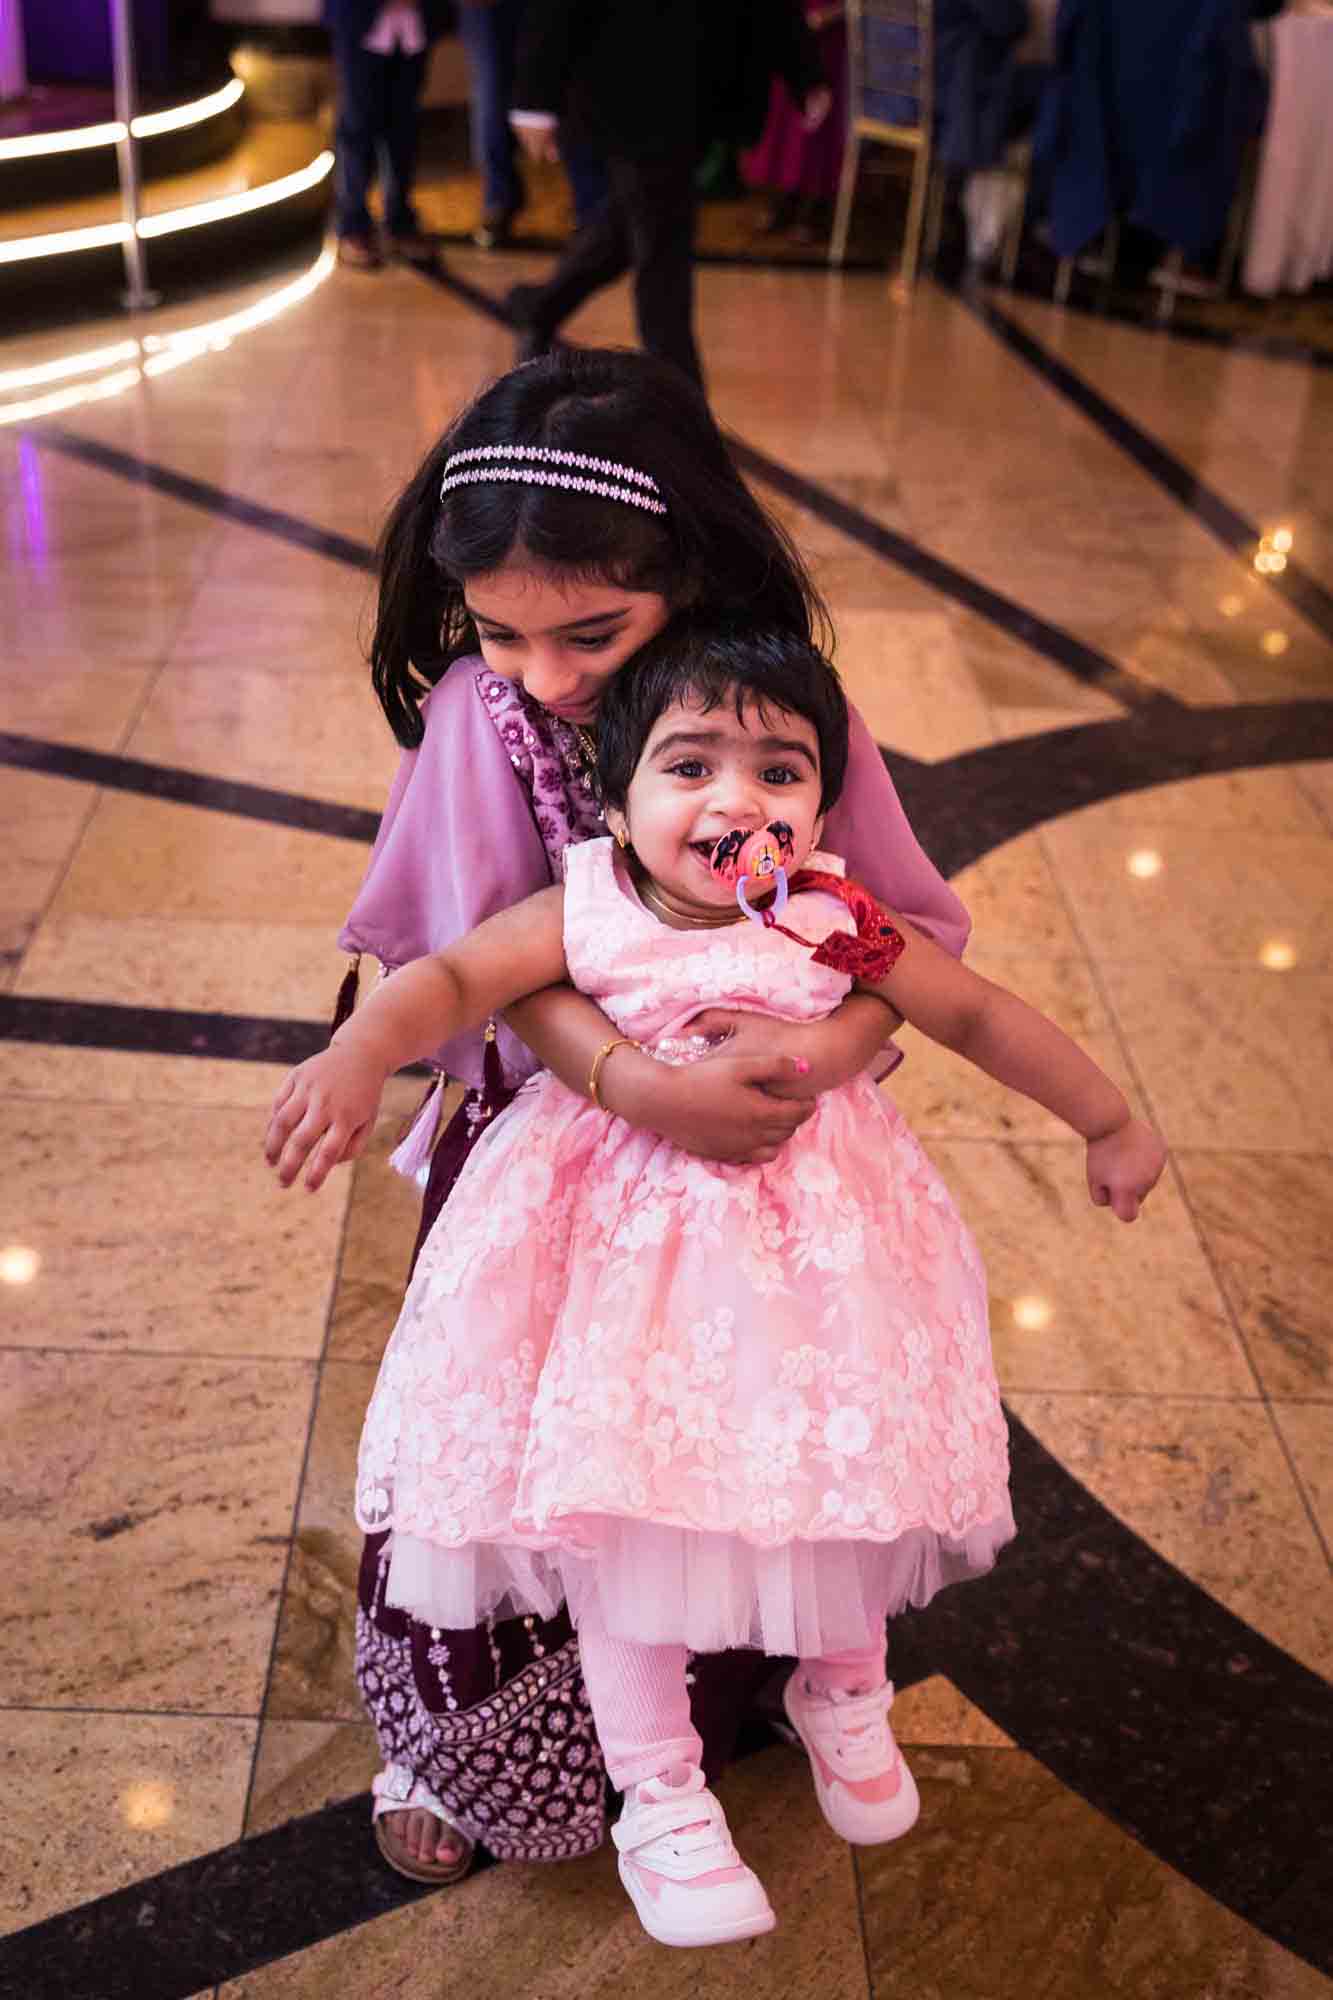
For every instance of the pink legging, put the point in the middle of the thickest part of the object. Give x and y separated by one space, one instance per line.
641 1704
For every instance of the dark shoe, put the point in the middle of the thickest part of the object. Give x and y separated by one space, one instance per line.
492 232
779 216
358 253
533 334
412 247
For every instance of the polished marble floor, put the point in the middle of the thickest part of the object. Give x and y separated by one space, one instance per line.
1112 730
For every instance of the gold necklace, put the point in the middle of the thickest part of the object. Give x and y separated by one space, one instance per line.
677 919
588 745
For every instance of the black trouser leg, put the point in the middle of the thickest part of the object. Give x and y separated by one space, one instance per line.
401 133
657 200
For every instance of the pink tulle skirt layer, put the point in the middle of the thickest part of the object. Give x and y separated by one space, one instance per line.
671 1586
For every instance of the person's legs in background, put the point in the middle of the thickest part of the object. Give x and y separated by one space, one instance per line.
404 76
596 257
585 171
658 200
361 85
489 34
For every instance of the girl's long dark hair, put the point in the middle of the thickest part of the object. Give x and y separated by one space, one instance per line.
716 550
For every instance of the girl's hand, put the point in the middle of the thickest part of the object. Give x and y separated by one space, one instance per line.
1124 1167
809 1056
816 107
719 1108
325 1109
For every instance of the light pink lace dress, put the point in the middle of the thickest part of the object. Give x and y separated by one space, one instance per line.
743 1405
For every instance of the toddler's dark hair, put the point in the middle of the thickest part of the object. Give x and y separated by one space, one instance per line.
715 547
706 663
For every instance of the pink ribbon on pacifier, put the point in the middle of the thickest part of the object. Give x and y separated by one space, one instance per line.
760 856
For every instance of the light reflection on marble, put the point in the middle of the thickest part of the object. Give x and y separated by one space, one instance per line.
910 679
95 1802
1208 1485
1010 1886
161 1228
570 1933
1264 1220
1218 897
1134 1306
158 1490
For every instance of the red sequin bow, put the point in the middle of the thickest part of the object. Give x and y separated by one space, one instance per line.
878 945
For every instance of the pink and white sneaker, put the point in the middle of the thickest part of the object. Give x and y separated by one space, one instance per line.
865 1790
679 1867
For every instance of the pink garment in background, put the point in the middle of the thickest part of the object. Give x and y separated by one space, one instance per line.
460 841
789 159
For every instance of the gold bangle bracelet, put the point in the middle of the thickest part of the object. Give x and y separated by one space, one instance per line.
595 1073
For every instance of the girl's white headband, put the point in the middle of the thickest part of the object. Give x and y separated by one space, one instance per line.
616 482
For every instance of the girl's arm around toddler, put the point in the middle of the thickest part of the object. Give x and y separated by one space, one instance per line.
1019 1047
326 1108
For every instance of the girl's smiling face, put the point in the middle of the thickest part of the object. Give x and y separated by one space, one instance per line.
560 638
704 772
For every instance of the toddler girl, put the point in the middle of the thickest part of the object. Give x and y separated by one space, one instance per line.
708 1405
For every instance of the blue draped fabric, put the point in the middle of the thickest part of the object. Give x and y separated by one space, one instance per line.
1146 118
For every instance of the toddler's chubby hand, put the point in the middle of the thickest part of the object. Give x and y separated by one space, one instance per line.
789 1048
1124 1167
323 1113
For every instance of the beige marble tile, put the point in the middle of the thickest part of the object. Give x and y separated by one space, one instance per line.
383 1214
1307 1432
935 1713
73 700
1012 1886
1264 1220
312 1663
1010 675
1209 1486
531 1933
287 609
42 821
1230 1057
1078 1300
284 971
106 1076
1214 896
1235 802
144 858
160 1228
261 727
96 1802
940 1095
909 677
1017 911
303 1766
153 1497
1165 650
1316 781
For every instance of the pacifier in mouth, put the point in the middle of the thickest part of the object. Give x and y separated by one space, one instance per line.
757 857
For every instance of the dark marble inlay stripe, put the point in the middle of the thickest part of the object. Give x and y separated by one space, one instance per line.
188 788
1301 590
202 493
158 1031
1085 663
